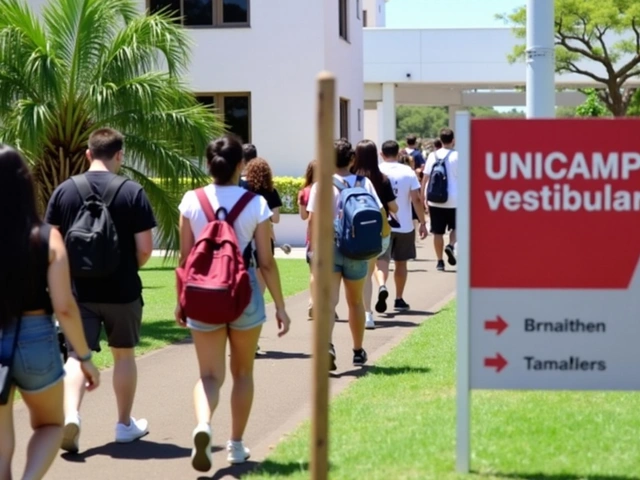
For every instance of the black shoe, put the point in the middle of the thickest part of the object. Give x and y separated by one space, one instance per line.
401 305
332 358
451 258
440 266
359 357
383 294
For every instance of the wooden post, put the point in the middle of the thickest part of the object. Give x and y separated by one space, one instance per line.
322 268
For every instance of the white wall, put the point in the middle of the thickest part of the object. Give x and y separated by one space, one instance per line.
344 59
376 13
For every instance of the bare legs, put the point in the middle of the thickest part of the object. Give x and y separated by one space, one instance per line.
47 418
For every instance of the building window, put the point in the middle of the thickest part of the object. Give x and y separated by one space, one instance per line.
344 118
235 109
343 18
358 9
206 13
359 120
365 21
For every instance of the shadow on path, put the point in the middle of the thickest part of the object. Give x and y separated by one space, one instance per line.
377 370
141 450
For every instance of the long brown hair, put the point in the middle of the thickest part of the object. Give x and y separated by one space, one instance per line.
309 174
20 223
259 176
366 164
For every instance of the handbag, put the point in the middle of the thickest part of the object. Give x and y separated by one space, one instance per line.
6 366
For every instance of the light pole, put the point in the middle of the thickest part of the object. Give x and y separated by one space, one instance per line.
541 89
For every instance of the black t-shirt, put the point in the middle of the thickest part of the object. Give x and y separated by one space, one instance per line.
131 213
272 197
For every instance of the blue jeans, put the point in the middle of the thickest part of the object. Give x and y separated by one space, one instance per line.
253 316
37 363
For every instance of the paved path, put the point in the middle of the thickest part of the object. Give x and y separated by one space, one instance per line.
283 380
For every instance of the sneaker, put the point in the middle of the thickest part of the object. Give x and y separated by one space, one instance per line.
310 313
335 315
201 453
451 257
359 357
369 324
237 452
401 305
129 433
440 266
332 358
71 435
383 294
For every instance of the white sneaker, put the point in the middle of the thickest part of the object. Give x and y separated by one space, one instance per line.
201 453
237 452
71 435
129 433
369 324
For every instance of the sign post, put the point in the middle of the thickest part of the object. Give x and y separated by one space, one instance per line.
541 306
322 267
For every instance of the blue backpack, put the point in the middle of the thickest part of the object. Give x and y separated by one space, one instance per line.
438 188
358 228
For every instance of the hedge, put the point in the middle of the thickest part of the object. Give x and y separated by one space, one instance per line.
288 188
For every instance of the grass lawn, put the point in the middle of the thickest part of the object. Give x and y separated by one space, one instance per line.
398 422
158 325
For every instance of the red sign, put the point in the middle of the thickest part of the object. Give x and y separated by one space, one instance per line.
555 203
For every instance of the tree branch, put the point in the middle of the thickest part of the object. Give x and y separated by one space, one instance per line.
605 51
631 64
572 68
563 42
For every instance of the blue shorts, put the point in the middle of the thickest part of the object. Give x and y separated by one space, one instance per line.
37 364
253 316
350 269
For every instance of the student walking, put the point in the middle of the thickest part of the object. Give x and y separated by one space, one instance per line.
303 201
107 286
249 216
403 239
34 281
440 187
350 271
366 164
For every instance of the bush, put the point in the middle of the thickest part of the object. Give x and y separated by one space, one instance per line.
288 188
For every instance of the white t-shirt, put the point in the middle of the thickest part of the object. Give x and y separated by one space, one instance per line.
256 212
351 180
403 181
451 164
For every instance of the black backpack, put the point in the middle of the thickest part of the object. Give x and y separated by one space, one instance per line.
438 188
92 240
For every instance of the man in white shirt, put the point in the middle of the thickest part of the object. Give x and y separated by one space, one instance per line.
403 238
443 215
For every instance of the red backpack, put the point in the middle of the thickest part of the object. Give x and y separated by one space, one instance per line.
214 285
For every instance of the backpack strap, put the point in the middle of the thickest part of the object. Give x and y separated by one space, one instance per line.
340 184
205 204
83 186
239 207
112 189
359 181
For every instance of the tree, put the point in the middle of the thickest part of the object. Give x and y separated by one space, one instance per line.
422 121
86 64
605 33
592 106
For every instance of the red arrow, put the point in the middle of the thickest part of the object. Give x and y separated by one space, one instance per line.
498 362
499 325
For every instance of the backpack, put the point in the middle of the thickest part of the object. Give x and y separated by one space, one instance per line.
358 228
438 188
214 285
92 240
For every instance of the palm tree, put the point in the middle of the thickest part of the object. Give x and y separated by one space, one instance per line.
86 64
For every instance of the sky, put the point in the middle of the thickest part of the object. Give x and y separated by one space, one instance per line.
447 13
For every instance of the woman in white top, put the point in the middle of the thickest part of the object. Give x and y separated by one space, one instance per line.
224 158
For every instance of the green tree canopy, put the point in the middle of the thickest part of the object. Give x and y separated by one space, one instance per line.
603 32
86 64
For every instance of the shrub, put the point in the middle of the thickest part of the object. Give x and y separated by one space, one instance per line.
288 188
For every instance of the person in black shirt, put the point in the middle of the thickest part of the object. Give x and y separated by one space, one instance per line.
259 179
366 164
114 301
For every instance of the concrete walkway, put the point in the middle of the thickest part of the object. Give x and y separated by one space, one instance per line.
283 381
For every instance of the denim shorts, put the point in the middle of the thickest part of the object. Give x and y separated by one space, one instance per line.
349 268
37 364
253 316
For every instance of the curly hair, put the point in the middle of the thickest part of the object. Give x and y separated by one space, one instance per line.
259 176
